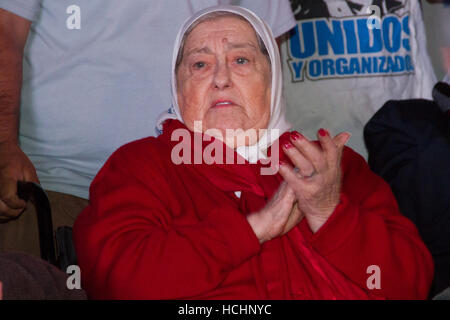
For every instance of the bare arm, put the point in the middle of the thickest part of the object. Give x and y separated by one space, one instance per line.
13 35
14 164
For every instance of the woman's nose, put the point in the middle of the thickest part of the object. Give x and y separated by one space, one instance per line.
222 76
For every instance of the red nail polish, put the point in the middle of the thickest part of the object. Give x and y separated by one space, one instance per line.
296 136
323 132
288 145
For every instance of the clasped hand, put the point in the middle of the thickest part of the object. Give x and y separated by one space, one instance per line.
311 189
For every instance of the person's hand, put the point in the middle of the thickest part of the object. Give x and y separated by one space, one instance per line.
316 180
279 215
14 166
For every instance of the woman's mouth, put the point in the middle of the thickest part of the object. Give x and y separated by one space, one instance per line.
222 103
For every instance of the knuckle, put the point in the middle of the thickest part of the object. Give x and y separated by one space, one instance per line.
7 194
7 212
316 157
322 165
333 152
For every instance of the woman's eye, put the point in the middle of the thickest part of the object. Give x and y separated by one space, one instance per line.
199 65
242 60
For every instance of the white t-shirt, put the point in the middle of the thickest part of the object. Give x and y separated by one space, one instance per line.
97 75
338 72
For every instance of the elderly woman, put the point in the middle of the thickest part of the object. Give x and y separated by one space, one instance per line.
323 227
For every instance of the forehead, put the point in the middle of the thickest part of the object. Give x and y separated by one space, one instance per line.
226 28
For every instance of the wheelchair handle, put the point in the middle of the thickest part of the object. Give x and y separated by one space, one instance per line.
30 191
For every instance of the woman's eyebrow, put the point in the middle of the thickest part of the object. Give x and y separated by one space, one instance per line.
199 50
242 45
231 45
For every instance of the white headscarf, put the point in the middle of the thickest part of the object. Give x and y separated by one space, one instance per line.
447 78
277 107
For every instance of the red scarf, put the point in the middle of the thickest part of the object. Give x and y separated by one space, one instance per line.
312 277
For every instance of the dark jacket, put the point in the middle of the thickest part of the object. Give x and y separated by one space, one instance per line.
409 146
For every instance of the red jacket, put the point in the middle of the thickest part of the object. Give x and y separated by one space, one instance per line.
156 230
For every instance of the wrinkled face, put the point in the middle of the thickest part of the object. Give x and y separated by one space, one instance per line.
224 79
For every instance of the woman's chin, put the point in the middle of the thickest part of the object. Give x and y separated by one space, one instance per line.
231 118
225 124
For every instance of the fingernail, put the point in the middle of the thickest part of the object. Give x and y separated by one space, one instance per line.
323 132
288 145
296 136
